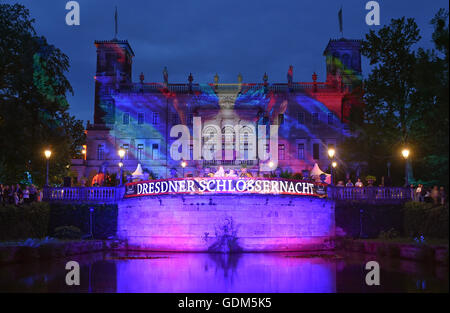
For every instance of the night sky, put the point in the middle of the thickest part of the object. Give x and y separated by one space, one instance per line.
209 36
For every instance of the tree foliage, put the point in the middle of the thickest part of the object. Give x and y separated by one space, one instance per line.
406 102
33 105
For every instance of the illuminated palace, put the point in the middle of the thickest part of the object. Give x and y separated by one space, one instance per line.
138 116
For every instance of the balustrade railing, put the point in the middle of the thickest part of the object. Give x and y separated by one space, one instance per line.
114 194
370 193
83 194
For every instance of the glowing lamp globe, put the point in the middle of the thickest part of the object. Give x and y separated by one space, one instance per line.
48 154
331 152
121 153
405 153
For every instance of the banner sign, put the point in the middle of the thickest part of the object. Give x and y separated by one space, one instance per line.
225 185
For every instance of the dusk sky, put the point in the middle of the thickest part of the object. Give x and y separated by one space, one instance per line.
209 36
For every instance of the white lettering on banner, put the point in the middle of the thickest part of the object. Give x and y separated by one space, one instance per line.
221 185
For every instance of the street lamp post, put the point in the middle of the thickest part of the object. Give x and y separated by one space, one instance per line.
333 166
331 154
47 154
405 154
121 153
183 165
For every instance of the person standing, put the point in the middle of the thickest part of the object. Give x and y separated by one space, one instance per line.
418 193
442 195
19 193
1 194
32 193
435 195
359 183
349 183
11 194
26 195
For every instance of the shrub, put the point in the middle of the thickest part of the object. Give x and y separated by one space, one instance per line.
390 234
40 219
425 219
26 221
67 232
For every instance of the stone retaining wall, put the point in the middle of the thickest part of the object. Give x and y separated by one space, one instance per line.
227 222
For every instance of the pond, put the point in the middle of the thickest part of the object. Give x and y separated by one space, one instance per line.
202 272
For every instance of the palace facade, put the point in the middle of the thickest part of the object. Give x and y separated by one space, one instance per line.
138 116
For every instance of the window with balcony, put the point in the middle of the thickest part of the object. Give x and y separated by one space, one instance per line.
301 151
330 119
140 118
155 151
140 151
281 152
155 118
315 118
126 118
101 152
301 118
316 151
126 147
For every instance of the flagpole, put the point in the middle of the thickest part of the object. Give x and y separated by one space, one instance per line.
115 24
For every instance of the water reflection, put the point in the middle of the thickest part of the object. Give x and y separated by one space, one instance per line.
197 272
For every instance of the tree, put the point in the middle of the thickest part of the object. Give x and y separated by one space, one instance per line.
431 96
33 106
406 102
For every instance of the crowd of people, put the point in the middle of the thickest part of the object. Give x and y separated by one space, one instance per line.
15 194
434 195
349 183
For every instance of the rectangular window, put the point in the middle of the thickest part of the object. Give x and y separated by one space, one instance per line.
245 151
140 118
281 152
155 151
126 147
191 152
316 151
301 151
315 118
280 119
140 151
301 118
100 152
330 118
126 118
155 118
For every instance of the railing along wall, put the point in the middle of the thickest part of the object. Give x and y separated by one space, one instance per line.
370 193
83 194
114 194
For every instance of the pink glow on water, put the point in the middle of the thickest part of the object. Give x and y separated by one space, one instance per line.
196 273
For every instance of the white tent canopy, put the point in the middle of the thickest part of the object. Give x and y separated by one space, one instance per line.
138 173
316 172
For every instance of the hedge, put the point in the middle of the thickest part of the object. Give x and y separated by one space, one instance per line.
411 219
426 219
41 219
